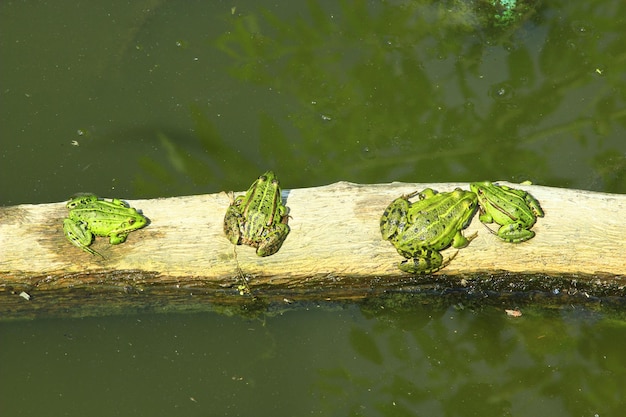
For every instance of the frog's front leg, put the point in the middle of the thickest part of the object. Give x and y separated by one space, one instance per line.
514 233
459 241
424 262
116 239
485 217
78 234
273 240
118 202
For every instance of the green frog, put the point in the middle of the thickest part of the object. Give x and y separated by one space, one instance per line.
258 218
90 216
516 211
421 229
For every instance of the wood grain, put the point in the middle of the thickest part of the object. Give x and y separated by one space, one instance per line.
334 248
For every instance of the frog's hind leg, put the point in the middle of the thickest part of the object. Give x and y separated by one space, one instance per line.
447 261
273 241
426 261
394 219
533 204
79 235
514 233
232 225
93 252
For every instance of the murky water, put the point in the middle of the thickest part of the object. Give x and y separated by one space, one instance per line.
425 361
160 98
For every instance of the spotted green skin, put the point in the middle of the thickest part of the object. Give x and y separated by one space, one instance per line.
90 216
421 229
258 218
516 211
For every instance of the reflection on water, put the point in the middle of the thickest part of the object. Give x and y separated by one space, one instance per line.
158 98
420 84
420 361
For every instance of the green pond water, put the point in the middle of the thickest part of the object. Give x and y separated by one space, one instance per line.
343 362
161 98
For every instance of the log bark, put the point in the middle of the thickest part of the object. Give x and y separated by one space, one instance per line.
182 260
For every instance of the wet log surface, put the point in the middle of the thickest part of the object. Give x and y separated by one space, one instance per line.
182 261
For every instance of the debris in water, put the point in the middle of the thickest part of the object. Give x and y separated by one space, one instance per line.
513 313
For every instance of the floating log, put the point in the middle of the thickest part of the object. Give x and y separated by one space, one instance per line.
182 260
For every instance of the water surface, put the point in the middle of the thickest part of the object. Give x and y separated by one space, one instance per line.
451 361
162 98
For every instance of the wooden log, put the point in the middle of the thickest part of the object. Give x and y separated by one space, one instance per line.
182 260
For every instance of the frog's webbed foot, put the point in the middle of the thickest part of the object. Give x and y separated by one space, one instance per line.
93 252
447 261
489 229
231 197
411 195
